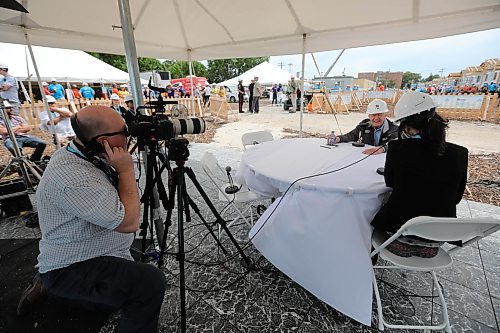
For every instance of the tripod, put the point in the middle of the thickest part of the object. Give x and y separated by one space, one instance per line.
179 152
19 160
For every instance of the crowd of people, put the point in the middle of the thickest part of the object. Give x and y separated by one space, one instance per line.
470 89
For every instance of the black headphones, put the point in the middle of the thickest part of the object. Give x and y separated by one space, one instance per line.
90 147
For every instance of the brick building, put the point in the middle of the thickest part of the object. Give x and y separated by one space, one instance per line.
383 77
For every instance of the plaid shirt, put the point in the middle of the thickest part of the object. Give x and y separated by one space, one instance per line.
14 121
78 210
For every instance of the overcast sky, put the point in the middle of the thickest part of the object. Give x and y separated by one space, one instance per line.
451 54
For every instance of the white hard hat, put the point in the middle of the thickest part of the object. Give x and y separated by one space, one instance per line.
44 84
53 79
50 99
128 98
377 106
6 104
114 96
85 84
4 66
411 103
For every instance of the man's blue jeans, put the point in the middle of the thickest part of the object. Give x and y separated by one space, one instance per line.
27 141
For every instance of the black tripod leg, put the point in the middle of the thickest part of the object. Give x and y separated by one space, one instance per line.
168 219
220 220
181 256
198 212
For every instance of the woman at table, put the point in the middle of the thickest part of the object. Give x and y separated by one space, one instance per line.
427 174
376 131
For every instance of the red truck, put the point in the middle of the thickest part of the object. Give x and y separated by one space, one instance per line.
186 82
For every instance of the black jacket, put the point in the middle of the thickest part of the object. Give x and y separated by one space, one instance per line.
422 183
366 129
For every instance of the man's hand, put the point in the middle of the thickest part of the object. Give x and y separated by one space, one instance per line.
374 151
119 158
337 139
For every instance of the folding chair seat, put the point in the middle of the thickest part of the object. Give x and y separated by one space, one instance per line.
438 229
244 195
253 138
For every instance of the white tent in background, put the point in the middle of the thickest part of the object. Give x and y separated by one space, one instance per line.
267 73
64 65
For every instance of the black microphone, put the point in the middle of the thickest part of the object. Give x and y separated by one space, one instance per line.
359 143
231 189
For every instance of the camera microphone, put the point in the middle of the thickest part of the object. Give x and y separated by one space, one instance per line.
231 189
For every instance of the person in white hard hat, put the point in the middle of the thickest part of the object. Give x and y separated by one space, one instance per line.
115 104
86 91
45 86
375 131
62 121
56 89
129 114
427 174
8 89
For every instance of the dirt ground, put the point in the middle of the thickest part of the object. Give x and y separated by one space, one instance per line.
482 140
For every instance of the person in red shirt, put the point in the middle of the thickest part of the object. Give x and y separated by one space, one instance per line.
76 91
115 89
46 91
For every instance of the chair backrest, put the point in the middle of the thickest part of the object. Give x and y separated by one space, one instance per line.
450 229
212 168
254 138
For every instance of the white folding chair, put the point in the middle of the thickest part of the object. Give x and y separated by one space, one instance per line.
436 229
254 138
244 195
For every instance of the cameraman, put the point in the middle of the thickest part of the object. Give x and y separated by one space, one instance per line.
88 207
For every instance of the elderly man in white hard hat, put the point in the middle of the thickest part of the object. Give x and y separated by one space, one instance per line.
8 88
375 131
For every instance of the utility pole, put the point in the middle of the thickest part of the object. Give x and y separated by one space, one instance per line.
290 68
441 72
281 64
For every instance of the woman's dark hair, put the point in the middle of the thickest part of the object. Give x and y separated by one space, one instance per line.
432 129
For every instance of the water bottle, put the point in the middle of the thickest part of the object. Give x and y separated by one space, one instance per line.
331 139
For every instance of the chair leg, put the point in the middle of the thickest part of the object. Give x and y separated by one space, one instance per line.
379 303
446 319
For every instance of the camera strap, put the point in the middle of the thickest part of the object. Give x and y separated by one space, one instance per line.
97 162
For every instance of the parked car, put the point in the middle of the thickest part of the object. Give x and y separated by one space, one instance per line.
232 95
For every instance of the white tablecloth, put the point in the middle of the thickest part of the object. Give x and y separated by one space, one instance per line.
319 234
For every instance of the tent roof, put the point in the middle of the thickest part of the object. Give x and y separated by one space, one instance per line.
267 73
64 65
214 29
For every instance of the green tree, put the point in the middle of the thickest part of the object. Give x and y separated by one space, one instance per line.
389 83
120 62
180 69
432 77
409 78
114 60
221 70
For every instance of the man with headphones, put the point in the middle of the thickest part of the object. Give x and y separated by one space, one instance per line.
88 207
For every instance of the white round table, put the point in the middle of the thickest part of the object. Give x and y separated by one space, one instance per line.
319 233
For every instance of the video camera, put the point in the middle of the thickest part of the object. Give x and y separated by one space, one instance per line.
160 126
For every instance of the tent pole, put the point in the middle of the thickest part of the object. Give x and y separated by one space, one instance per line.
30 89
130 51
333 64
316 64
191 82
46 105
302 92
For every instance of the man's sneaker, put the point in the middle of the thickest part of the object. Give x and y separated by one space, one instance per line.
405 250
34 294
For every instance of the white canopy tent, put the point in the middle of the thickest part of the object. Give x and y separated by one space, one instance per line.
215 29
63 65
268 74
